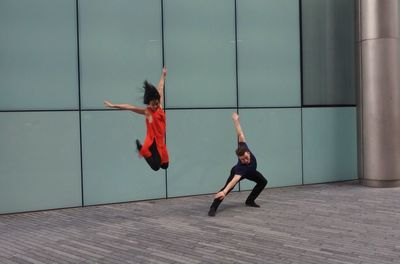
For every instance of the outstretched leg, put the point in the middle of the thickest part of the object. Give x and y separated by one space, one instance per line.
217 202
261 182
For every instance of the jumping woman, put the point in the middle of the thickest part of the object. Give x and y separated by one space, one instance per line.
154 149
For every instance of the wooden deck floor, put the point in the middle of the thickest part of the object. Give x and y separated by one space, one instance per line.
327 223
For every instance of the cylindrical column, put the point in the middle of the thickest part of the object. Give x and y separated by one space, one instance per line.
378 92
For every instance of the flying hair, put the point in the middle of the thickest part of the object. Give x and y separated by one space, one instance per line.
150 93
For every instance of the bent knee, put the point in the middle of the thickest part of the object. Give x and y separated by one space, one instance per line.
264 182
155 167
164 166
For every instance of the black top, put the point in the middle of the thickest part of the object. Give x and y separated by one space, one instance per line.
245 169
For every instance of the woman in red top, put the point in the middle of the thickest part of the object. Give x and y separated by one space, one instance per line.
154 149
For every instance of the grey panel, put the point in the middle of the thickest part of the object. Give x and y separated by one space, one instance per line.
38 55
328 48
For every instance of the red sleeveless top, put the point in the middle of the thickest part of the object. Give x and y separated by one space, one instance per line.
155 131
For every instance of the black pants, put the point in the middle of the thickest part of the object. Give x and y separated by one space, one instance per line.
154 160
256 177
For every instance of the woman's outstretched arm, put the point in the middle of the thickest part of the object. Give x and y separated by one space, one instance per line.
160 87
139 110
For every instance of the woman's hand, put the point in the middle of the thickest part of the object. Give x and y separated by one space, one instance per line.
235 116
108 104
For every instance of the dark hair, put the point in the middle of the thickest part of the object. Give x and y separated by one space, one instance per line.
150 93
241 150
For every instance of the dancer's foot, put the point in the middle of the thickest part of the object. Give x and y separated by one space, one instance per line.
252 204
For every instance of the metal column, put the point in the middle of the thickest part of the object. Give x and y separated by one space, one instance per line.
378 97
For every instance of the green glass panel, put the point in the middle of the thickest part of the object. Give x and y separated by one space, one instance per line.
120 47
200 53
328 35
202 145
329 144
112 169
274 137
39 161
268 53
38 55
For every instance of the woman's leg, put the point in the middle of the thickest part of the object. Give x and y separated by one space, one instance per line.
151 155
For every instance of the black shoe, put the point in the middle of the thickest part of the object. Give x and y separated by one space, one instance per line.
138 145
212 211
252 204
